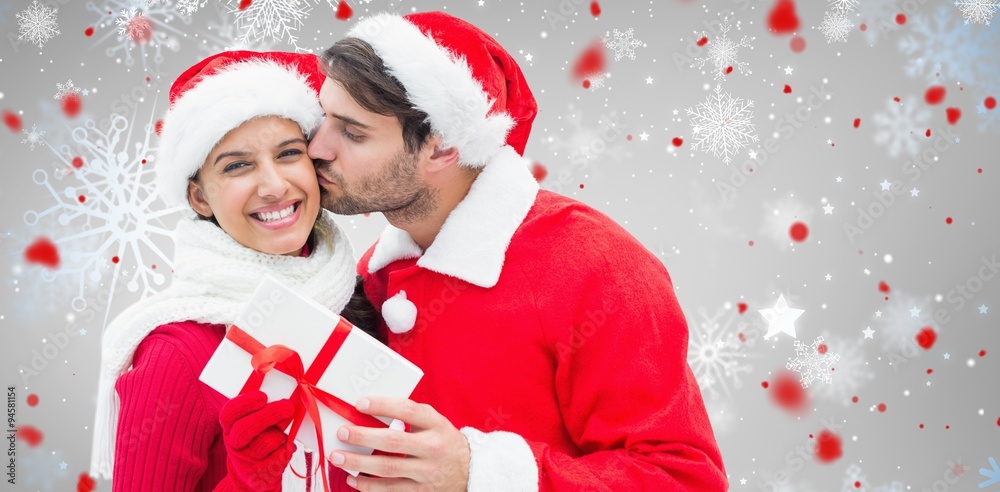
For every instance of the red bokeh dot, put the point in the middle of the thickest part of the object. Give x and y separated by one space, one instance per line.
947 220
990 102
855 399
78 162
799 231
764 385
89 32
115 260
881 407
900 19
586 84
798 44
32 400
81 198
982 353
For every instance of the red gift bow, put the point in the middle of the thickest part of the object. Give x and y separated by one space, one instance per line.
306 394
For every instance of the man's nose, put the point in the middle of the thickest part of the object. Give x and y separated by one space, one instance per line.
321 146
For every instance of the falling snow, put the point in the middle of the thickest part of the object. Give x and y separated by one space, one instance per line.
159 18
723 52
811 364
851 373
37 24
62 90
779 215
622 43
188 7
722 125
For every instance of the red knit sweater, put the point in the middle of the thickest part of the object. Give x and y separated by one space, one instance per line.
169 437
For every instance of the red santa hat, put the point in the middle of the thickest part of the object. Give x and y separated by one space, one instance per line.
219 94
472 90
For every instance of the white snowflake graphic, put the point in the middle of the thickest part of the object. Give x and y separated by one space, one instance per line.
63 90
223 35
938 43
723 52
33 137
716 353
622 43
111 197
779 215
812 362
134 25
37 24
188 7
902 127
278 20
850 373
148 32
978 11
599 81
722 125
844 5
836 26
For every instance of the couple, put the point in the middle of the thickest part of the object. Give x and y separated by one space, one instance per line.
553 348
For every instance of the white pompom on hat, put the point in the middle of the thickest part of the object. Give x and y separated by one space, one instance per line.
222 92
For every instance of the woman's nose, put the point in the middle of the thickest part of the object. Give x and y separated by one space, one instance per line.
270 181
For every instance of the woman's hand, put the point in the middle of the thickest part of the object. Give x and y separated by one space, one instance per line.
257 448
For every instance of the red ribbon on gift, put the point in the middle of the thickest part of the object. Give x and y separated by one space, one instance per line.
306 394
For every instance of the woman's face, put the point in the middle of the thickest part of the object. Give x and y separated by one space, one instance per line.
260 186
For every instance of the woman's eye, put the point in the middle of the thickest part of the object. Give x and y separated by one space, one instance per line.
234 166
289 152
353 137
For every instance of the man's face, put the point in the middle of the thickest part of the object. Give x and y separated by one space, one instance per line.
361 161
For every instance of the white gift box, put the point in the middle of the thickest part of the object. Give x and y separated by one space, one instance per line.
361 367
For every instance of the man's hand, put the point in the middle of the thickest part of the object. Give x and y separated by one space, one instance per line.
437 454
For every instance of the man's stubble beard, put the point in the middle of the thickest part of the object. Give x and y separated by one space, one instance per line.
396 191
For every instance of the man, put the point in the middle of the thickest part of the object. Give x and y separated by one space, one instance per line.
548 335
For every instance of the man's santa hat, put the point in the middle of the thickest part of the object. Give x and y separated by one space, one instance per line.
222 92
472 90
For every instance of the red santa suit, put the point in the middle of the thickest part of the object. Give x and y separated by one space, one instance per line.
552 338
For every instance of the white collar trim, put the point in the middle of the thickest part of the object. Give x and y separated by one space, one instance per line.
472 243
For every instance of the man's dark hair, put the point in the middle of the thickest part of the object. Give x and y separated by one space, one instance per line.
355 65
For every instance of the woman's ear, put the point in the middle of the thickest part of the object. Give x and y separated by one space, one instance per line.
196 197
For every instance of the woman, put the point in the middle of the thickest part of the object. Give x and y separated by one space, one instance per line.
233 148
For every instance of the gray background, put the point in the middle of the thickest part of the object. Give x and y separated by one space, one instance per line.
670 199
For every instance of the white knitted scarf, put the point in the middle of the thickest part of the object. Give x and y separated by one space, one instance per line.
214 277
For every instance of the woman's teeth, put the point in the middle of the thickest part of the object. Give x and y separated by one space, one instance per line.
272 216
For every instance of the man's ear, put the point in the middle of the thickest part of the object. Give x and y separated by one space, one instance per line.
196 197
440 158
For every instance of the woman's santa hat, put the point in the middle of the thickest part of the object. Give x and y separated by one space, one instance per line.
222 92
472 90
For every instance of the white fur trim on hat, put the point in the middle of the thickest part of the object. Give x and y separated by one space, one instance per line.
399 313
440 85
204 114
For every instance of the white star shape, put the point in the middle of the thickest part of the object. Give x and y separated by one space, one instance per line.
839 179
828 276
83 331
753 154
878 314
869 332
649 80
743 481
914 192
528 57
885 184
643 136
781 318
947 356
914 312
481 2
983 309
828 209
675 112
63 465
788 70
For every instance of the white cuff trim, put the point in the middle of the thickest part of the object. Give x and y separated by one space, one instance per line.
500 461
